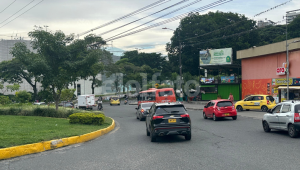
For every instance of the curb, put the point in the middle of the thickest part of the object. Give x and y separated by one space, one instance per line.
16 151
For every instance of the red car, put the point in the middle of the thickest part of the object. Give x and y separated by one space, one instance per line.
219 108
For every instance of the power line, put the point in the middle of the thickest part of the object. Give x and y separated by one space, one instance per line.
214 4
17 11
8 6
21 14
272 8
144 17
123 17
157 18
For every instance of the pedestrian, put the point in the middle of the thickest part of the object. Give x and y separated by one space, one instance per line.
230 97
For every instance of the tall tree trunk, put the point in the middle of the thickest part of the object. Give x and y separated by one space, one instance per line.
74 84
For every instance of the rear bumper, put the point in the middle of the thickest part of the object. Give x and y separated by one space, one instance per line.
165 131
226 114
297 126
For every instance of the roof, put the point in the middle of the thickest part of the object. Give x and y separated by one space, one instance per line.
168 104
278 47
218 100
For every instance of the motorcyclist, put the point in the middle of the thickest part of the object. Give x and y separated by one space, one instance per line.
126 99
100 107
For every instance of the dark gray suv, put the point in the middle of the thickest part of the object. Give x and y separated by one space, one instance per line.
168 119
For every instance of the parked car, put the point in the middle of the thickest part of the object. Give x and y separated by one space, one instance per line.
39 103
114 100
218 109
143 110
284 116
168 119
66 104
258 102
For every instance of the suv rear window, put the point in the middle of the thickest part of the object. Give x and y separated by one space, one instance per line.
147 104
169 109
297 108
165 93
224 104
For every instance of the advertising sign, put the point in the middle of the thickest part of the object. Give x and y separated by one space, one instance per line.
280 71
207 80
227 79
216 57
283 81
296 82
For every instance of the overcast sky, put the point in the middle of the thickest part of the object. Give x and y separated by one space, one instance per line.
78 16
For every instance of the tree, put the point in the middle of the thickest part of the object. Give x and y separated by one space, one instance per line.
14 87
67 94
23 96
54 59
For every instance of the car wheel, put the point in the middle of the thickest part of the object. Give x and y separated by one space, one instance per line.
204 115
214 117
264 108
239 108
292 131
188 136
140 118
111 104
247 109
147 132
152 136
266 126
234 117
136 116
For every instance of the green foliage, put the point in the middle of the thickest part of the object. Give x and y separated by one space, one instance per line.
14 87
4 100
45 94
23 96
67 94
87 118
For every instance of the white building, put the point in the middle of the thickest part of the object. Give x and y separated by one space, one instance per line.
291 16
262 23
83 86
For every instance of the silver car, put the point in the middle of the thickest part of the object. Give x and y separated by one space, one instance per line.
142 110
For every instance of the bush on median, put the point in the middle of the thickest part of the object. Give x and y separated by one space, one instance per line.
87 118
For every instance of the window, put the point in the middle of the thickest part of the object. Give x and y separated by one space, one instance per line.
258 98
270 98
276 109
224 104
165 93
147 104
169 109
212 89
249 98
286 108
297 108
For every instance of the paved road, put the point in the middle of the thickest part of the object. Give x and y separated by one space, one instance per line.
225 144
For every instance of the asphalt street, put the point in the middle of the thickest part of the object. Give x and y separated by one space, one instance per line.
224 144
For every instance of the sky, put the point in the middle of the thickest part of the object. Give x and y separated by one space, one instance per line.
18 17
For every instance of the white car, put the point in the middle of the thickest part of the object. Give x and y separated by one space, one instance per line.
39 103
284 116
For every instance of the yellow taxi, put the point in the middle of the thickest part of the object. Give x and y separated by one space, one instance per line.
114 100
256 102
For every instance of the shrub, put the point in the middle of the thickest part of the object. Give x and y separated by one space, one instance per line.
87 118
23 96
4 100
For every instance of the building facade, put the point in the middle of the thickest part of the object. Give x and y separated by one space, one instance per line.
264 70
291 16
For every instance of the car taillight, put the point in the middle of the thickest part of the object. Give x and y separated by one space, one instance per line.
296 117
185 115
157 117
142 110
218 108
232 107
268 102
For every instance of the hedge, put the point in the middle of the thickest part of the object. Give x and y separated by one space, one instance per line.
87 118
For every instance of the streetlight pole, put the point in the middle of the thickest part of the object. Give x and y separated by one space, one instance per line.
180 66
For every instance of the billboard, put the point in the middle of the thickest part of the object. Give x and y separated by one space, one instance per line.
207 80
216 57
227 79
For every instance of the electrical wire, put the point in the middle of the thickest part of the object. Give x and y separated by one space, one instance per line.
158 17
214 4
17 11
272 8
143 17
22 13
123 17
8 6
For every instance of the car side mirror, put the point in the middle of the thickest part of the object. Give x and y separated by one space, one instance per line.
269 111
136 108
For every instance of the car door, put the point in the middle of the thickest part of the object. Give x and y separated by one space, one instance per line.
284 116
138 110
149 117
247 102
207 109
210 109
256 102
272 117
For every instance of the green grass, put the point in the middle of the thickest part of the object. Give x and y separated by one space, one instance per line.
20 130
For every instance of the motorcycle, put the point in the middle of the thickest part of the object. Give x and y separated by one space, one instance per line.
125 101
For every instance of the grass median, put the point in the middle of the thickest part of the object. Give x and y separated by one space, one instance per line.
21 130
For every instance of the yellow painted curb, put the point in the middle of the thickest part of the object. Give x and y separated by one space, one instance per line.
15 151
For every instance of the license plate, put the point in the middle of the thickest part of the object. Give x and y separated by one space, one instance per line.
172 120
226 114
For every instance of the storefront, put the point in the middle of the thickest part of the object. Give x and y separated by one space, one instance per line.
264 70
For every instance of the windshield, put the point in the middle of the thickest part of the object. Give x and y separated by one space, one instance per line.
147 104
170 109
